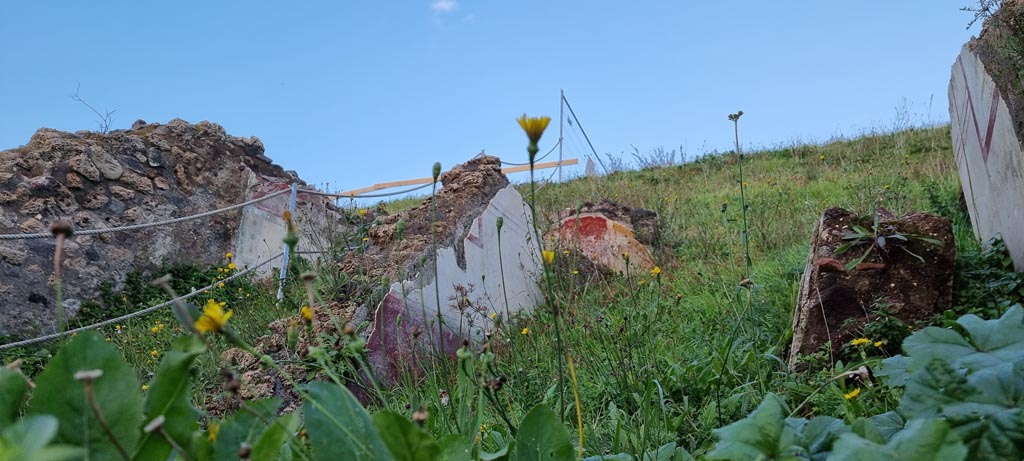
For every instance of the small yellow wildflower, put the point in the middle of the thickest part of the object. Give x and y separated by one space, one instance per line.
153 353
575 272
745 184
220 285
887 187
229 255
212 431
307 313
821 157
107 339
220 270
366 239
625 256
852 394
145 387
154 329
494 315
362 212
879 343
656 271
525 331
232 266
214 317
548 256
534 126
860 342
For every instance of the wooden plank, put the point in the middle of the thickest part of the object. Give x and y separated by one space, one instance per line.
413 182
539 166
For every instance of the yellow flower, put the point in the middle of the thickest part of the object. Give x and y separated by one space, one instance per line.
145 387
362 212
154 353
860 342
220 285
534 126
229 255
212 430
656 271
525 331
575 272
548 256
744 184
879 343
220 270
232 266
494 315
887 187
821 157
107 339
154 329
366 239
852 394
214 317
307 313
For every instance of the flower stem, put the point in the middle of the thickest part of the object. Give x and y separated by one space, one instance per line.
91 397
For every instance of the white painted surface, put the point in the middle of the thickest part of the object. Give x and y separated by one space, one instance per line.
988 154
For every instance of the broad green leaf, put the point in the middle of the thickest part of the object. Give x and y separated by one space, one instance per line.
455 447
542 437
922 440
116 392
268 445
169 396
618 457
33 432
667 452
895 370
864 428
244 427
761 435
404 440
339 427
888 424
820 433
13 387
984 408
991 342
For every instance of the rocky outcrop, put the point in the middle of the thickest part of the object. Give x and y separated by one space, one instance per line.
148 173
610 236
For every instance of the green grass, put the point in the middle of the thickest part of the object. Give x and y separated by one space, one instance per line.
667 358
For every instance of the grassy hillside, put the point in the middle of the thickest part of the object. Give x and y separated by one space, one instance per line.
655 358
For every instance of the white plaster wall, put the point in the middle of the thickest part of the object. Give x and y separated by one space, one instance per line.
988 154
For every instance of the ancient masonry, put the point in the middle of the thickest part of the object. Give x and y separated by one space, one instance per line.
145 174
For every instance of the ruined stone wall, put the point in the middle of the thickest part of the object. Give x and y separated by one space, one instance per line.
148 173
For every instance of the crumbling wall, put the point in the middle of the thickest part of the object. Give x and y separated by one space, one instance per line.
148 173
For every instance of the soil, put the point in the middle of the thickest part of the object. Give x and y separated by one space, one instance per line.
835 304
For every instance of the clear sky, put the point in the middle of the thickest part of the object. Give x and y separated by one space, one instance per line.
349 93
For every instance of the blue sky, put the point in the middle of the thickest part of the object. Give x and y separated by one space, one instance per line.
349 93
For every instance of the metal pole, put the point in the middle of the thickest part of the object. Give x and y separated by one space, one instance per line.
286 256
561 122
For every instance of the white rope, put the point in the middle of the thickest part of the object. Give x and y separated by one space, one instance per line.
146 225
147 310
388 194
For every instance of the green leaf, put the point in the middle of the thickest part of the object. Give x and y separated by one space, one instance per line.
455 447
244 427
116 392
888 424
13 387
268 445
542 437
895 370
820 433
405 440
667 452
761 435
991 342
169 396
864 428
922 440
618 457
33 432
339 428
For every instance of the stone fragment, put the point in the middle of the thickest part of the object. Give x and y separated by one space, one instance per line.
137 181
107 165
604 234
133 214
161 183
84 166
32 226
122 193
34 206
13 253
95 199
154 157
73 181
833 306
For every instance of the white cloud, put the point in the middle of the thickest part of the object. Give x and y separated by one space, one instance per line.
443 6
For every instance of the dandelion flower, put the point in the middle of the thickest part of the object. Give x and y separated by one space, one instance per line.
212 430
879 343
214 317
232 266
307 313
494 315
145 387
548 256
154 329
656 271
229 255
154 353
860 342
534 126
852 394
362 212
821 157
525 331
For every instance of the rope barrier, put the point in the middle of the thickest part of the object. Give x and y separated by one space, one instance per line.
328 194
146 225
535 160
147 310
